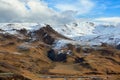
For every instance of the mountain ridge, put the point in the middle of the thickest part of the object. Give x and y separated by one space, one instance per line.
87 33
27 52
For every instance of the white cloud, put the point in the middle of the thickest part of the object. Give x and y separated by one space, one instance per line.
37 7
38 11
80 6
108 19
16 11
11 10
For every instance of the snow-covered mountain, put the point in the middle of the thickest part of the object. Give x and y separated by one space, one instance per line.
10 27
90 33
82 33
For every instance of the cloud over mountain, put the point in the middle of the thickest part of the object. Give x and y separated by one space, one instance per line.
108 19
39 11
79 6
53 11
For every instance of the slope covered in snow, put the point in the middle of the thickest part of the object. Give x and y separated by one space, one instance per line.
91 33
102 33
82 33
11 27
75 29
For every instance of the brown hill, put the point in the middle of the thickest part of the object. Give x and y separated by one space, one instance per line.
24 57
47 34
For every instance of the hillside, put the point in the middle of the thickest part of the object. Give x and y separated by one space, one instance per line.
37 51
91 33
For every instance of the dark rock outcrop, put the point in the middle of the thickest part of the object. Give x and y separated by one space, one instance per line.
118 47
51 55
7 36
22 31
79 60
47 34
78 49
105 52
56 57
87 50
61 57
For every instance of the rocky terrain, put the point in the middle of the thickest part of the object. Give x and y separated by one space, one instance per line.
46 53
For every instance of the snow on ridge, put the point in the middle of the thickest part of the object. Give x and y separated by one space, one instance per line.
90 33
12 27
75 29
18 26
69 30
83 33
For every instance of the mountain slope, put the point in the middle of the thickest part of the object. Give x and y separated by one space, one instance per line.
91 33
84 33
25 49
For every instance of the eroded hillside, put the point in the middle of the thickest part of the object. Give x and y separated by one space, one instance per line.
24 55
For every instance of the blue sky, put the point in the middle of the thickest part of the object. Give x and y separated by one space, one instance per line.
58 11
102 8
